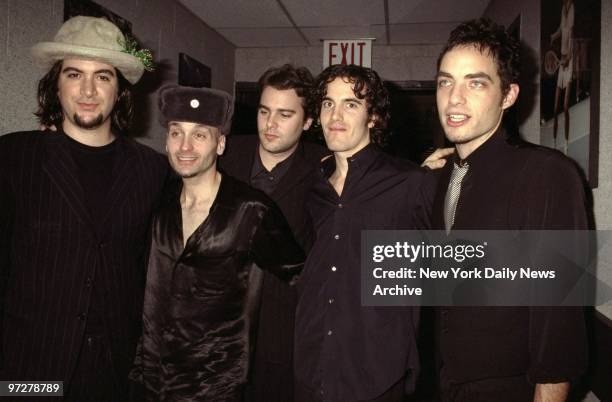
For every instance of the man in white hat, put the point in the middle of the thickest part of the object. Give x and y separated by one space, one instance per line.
208 232
74 211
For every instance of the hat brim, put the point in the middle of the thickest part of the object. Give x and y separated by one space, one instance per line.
48 53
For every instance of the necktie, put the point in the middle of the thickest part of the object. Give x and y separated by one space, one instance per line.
452 194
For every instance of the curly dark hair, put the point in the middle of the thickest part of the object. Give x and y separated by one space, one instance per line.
489 37
366 85
50 113
289 76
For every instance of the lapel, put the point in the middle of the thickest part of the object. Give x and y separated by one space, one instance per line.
299 170
62 171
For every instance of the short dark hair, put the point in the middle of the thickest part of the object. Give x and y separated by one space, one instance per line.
289 76
50 112
491 38
366 85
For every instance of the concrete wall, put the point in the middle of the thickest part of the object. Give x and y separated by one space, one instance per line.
395 63
164 26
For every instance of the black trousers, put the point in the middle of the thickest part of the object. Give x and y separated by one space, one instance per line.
507 389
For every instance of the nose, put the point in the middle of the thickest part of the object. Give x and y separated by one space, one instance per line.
186 144
336 113
271 121
88 87
457 96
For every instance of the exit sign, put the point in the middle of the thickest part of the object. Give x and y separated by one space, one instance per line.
354 51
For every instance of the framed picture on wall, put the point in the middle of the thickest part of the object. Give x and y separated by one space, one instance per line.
569 80
193 73
86 7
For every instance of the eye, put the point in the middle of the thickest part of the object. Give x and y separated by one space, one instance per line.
104 77
443 83
200 135
352 105
326 104
263 112
286 115
72 75
478 84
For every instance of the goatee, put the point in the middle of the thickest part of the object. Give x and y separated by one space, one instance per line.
88 125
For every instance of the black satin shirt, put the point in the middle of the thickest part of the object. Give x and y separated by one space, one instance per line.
344 351
195 344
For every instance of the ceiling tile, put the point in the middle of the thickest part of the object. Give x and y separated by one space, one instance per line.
410 11
263 37
238 13
319 13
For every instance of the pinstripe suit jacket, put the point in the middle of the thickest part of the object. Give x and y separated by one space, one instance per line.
50 254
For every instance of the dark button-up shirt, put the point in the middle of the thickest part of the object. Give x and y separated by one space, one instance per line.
344 351
265 180
513 185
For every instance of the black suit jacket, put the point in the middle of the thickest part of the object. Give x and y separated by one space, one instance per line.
51 257
273 362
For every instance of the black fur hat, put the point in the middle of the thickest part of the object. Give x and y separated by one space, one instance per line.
211 107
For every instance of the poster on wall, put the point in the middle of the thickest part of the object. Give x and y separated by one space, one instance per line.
569 80
85 7
193 73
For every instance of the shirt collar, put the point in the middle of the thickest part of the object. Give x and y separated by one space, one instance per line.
279 170
486 153
362 159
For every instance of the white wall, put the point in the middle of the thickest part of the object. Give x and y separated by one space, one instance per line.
164 26
395 63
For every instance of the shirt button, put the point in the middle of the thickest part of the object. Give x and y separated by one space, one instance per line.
329 332
337 236
88 282
101 245
334 269
271 178
81 317
340 205
331 301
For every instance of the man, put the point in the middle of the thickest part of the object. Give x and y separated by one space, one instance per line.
504 353
74 211
206 235
346 352
281 165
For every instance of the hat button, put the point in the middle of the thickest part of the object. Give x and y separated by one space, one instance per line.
194 103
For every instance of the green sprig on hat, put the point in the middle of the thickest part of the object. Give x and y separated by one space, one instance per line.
130 46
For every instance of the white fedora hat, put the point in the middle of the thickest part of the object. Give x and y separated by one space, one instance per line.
90 38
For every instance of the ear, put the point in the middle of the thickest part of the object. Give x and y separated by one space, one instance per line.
221 145
372 121
511 96
307 124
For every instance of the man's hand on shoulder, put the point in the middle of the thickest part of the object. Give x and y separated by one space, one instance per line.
437 159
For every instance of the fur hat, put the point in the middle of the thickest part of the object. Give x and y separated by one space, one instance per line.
90 38
210 107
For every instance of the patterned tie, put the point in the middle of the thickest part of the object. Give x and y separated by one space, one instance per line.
452 194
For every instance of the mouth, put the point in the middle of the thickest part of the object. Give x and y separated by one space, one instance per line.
88 106
456 119
335 129
270 136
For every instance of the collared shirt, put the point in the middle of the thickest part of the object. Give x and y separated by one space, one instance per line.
513 185
265 180
345 351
